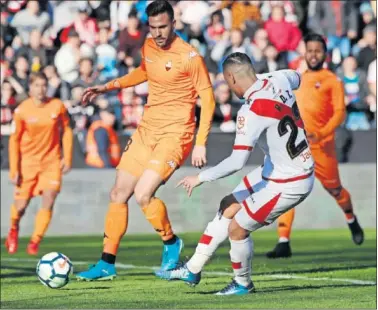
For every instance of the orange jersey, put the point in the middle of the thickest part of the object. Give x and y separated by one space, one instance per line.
320 99
176 76
36 136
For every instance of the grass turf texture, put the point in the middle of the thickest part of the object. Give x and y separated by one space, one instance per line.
325 254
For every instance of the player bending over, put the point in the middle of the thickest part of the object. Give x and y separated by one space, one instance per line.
321 104
36 159
269 118
176 75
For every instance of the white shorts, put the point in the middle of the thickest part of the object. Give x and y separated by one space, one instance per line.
263 201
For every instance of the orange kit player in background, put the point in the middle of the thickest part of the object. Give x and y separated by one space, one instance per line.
36 160
320 99
176 75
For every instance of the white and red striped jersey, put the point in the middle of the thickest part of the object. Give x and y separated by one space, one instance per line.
270 119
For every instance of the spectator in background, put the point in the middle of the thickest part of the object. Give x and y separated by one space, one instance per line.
215 30
7 32
119 11
87 76
85 26
21 74
225 47
67 58
367 14
181 28
106 56
338 21
8 105
259 43
225 111
273 60
293 10
29 19
356 92
34 52
56 87
102 146
368 53
283 35
296 58
245 15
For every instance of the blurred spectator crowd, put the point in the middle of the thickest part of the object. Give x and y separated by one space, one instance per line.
78 44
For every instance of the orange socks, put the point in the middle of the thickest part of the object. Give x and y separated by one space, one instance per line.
42 221
345 203
156 213
285 222
15 217
115 226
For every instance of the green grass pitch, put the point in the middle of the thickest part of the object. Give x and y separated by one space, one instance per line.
326 271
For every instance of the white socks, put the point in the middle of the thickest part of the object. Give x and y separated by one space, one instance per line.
216 232
241 254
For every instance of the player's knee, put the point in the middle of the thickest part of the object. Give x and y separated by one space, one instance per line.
119 195
142 198
236 232
335 192
49 199
227 206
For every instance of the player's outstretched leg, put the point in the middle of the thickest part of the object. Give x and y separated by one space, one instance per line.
283 249
216 232
116 222
241 254
17 211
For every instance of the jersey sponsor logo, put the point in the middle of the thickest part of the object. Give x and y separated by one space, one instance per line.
168 66
192 54
154 161
148 59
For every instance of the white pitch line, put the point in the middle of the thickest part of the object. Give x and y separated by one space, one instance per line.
214 273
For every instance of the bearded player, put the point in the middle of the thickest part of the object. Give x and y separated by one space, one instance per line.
176 75
321 104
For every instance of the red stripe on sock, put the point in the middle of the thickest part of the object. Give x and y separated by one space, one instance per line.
236 265
205 239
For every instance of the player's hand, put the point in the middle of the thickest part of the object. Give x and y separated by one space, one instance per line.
16 180
64 168
188 183
92 92
199 156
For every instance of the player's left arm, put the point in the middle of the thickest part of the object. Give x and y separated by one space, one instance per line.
199 75
67 140
339 112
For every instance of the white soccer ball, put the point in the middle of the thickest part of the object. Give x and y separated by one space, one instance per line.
54 270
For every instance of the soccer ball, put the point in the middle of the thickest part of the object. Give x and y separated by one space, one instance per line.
54 269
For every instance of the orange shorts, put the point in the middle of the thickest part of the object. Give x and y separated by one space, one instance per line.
36 179
326 164
163 153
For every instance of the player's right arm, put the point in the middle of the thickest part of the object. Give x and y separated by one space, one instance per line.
135 77
18 127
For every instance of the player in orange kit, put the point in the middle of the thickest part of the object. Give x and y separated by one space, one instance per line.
176 75
320 100
36 160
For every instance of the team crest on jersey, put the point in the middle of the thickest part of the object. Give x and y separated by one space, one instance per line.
53 116
168 66
241 122
171 164
317 85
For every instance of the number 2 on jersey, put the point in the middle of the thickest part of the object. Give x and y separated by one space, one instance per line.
287 121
